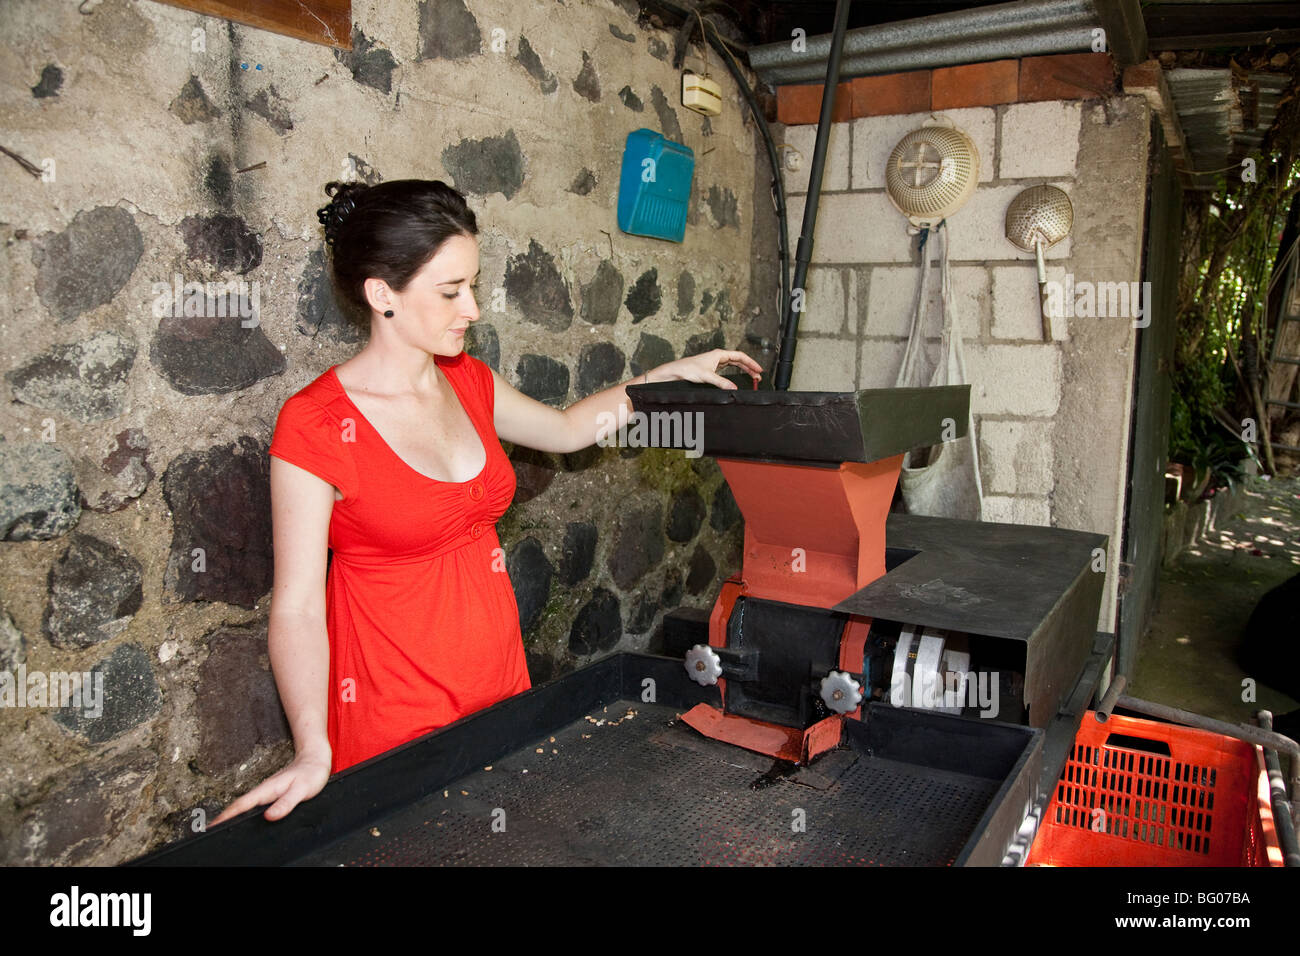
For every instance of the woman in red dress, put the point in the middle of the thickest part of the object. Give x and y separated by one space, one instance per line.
391 461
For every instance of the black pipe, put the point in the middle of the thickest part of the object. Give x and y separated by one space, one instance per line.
1102 713
803 256
1282 810
1253 735
778 184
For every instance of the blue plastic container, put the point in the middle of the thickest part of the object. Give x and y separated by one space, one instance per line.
654 190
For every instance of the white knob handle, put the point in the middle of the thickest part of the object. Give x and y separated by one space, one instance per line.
840 692
703 665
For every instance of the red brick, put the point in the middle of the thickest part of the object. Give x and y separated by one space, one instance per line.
798 105
1066 76
975 84
1142 76
892 93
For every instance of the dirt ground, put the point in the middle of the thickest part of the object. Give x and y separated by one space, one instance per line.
1187 657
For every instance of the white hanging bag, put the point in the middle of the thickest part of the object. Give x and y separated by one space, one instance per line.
948 485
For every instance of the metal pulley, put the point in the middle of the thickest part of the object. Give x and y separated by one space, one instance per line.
926 673
703 665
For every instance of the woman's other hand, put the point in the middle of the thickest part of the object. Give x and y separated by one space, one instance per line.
301 780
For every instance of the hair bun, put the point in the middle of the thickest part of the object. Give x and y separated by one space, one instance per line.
343 202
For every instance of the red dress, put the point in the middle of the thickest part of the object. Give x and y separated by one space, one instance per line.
422 620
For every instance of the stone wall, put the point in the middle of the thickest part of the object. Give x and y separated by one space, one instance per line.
1052 417
134 498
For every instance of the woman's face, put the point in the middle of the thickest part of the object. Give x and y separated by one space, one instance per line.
438 305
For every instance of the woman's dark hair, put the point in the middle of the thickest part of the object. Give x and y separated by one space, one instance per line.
389 231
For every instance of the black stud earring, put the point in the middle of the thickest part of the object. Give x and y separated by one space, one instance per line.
388 314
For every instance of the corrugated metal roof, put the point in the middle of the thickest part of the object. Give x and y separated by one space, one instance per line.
1206 101
1224 117
1001 31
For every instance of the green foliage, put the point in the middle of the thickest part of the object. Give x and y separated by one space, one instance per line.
1222 454
1214 310
1200 385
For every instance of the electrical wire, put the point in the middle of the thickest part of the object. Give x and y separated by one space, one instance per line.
777 190
777 187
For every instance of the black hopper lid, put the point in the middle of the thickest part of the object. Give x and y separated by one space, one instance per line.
805 427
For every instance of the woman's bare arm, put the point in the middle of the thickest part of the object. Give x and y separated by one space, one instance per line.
526 421
301 505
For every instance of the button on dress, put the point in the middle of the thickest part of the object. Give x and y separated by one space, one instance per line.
422 620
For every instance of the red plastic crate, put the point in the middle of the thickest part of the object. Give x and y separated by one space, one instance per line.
1141 793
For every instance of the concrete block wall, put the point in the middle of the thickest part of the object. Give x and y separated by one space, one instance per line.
185 144
1051 416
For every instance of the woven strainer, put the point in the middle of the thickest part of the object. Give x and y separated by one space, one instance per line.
1038 219
931 173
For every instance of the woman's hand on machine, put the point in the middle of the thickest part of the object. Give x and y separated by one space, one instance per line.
704 368
301 780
